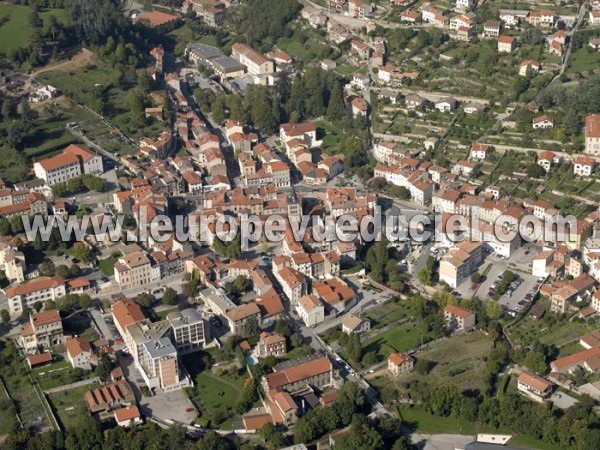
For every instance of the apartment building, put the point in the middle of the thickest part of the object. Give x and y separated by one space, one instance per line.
256 63
306 132
460 262
355 324
24 295
43 330
133 270
72 162
190 330
239 316
592 134
459 319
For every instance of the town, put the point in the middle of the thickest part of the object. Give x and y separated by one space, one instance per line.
480 117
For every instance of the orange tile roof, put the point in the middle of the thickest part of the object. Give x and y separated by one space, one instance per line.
299 372
125 312
534 381
129 413
45 318
78 345
399 358
59 161
458 311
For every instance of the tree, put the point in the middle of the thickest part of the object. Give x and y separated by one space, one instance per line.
82 252
190 289
38 306
16 224
282 326
272 436
46 268
251 327
336 110
218 112
62 271
354 347
534 170
169 296
74 271
4 226
422 366
296 340
475 277
145 299
425 276
5 317
104 368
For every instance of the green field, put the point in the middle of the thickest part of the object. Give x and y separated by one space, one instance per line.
69 405
399 339
107 266
214 399
8 419
16 32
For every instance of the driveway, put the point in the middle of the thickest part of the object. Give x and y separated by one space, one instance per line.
440 441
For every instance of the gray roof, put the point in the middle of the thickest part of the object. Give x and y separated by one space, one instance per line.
204 51
183 318
227 63
160 348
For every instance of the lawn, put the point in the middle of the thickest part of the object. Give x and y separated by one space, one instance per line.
386 314
214 399
399 339
427 423
69 405
16 32
107 266
8 419
583 60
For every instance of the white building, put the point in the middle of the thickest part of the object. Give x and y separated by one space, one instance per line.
311 310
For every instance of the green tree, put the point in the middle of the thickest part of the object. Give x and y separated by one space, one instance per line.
251 327
82 252
190 289
16 224
534 170
169 296
62 271
104 368
336 110
4 226
5 317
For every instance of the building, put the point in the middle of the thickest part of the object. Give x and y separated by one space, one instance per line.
542 122
43 330
190 330
24 295
71 163
534 386
256 63
400 363
583 166
459 319
133 270
354 324
491 28
311 310
79 353
303 131
592 134
270 345
460 262
109 397
239 316
529 68
296 375
12 263
506 44
125 417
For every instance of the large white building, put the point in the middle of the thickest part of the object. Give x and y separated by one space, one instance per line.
256 63
24 295
71 163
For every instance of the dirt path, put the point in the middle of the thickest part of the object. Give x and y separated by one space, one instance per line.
82 58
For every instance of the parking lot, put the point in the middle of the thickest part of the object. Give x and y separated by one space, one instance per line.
518 263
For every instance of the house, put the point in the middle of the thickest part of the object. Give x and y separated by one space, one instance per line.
459 319
583 166
38 360
79 353
400 363
535 387
479 151
328 64
445 104
354 324
543 18
464 4
464 168
304 131
109 397
506 44
491 28
409 16
128 416
311 310
359 9
270 345
542 122
594 17
545 159
472 108
390 94
592 134
415 101
360 81
529 68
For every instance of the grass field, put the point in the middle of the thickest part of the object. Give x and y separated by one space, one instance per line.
399 339
69 405
214 399
107 266
16 32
